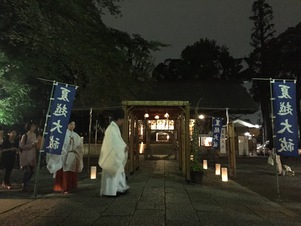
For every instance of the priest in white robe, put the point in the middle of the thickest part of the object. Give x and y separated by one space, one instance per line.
113 158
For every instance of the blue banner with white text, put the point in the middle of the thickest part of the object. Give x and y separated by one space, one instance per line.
217 124
286 121
59 114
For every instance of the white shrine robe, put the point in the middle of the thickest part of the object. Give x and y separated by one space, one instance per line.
112 160
71 157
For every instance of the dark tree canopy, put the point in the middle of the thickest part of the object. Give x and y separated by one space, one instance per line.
68 42
272 57
204 60
284 54
262 32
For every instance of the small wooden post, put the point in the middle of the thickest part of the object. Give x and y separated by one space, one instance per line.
132 160
125 131
187 142
136 143
231 150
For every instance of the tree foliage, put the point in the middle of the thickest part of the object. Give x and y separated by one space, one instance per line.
262 32
14 100
284 59
284 54
67 41
272 57
204 60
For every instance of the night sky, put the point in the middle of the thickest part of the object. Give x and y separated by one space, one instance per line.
183 22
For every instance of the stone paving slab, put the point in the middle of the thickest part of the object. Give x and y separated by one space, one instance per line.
158 195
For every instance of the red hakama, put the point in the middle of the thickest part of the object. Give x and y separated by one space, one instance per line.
65 181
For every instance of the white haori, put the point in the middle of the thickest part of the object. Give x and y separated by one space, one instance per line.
111 185
112 160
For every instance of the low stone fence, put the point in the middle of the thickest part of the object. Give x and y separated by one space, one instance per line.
94 149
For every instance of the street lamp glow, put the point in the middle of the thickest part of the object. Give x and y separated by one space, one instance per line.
201 116
247 134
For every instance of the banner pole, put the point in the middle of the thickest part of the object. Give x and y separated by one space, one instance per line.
274 79
42 144
52 81
227 115
89 147
274 137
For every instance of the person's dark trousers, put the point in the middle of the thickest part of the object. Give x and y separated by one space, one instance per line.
28 172
7 174
8 160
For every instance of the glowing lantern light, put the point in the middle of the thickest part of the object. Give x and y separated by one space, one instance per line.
93 172
224 174
141 147
217 169
205 165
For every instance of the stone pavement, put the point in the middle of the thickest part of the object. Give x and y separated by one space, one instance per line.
158 195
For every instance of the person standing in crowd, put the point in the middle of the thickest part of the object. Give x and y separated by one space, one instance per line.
112 159
65 167
9 148
28 153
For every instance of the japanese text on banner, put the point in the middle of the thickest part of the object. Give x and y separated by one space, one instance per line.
285 113
217 124
60 111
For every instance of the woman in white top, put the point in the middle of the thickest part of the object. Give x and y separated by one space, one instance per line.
28 153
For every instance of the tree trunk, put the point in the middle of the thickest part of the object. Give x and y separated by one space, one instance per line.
264 96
